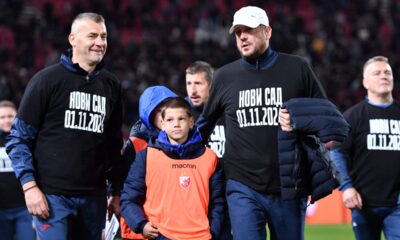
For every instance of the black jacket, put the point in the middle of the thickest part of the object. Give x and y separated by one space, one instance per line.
305 166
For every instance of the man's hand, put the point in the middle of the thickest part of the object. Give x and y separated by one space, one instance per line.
113 206
150 231
284 120
36 201
352 199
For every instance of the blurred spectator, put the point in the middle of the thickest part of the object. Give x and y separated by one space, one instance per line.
153 41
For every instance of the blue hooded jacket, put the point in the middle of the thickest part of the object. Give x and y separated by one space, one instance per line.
144 129
149 100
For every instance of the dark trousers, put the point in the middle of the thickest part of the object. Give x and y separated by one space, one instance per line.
16 222
368 223
250 211
85 215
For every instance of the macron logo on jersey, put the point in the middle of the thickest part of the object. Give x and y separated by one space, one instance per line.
184 165
86 112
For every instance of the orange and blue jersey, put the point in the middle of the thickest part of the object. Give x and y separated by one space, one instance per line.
134 144
140 134
177 187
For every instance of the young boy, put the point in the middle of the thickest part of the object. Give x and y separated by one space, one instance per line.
150 105
174 189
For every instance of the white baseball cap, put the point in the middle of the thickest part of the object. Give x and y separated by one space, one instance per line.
249 16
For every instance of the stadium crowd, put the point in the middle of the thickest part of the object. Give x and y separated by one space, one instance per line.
152 42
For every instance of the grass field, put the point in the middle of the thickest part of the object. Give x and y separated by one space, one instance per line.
329 232
326 232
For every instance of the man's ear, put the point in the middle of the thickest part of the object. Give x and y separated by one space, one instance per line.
365 83
71 39
268 32
191 122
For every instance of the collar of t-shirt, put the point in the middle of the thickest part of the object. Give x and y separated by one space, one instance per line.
381 105
263 62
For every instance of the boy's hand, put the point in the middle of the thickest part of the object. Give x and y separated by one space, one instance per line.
113 207
150 231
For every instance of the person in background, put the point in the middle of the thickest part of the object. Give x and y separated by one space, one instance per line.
174 189
15 220
369 159
249 93
66 139
150 106
198 77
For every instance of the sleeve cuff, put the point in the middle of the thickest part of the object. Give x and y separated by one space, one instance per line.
28 177
141 226
345 186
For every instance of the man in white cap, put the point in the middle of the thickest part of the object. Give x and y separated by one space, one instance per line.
249 93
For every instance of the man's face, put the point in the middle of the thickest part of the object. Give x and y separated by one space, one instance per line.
197 88
177 124
7 116
156 118
378 79
252 42
89 43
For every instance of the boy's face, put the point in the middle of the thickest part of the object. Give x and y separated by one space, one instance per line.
7 116
177 124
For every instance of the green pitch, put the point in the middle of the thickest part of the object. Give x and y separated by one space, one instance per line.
326 232
329 232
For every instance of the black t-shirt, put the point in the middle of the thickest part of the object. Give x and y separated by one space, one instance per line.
217 139
250 101
373 150
78 123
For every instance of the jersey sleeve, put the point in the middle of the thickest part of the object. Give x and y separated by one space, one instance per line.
342 152
134 194
19 148
31 113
